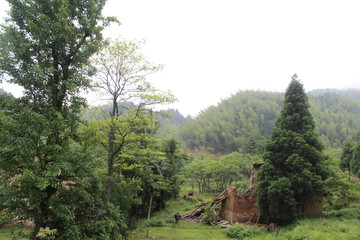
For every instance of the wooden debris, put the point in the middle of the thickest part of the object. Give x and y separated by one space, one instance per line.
224 224
194 216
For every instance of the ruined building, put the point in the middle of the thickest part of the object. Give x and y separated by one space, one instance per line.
242 208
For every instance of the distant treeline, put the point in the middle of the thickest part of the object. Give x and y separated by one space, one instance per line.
244 121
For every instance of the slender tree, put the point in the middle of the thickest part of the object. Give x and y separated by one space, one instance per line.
293 172
121 78
45 163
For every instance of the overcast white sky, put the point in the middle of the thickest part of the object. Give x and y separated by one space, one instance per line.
214 48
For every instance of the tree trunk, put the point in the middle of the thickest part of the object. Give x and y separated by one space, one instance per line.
35 231
110 171
150 205
110 181
149 213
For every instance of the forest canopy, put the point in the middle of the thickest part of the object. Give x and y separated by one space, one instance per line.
244 121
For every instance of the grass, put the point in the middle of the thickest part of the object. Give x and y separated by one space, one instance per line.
183 230
326 227
316 229
341 224
13 233
162 224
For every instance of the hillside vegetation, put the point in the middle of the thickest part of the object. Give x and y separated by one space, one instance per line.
244 121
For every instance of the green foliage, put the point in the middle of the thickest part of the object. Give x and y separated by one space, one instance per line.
175 161
340 189
346 156
350 158
212 174
340 192
355 161
241 231
209 215
46 162
140 172
336 117
240 123
142 167
121 71
127 134
47 233
244 121
69 177
293 171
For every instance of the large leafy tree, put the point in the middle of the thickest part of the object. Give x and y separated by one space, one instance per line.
45 162
293 170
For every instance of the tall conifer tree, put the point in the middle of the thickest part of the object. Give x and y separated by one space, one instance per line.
293 172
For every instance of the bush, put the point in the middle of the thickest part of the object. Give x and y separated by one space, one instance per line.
242 231
341 192
208 215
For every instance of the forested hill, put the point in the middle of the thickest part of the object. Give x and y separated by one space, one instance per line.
244 121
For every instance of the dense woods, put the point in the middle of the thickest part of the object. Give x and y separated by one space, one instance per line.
245 120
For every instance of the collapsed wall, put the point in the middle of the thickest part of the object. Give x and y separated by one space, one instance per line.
240 208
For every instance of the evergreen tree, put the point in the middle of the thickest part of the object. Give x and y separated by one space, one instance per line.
293 172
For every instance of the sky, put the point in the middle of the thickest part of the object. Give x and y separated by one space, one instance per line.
212 49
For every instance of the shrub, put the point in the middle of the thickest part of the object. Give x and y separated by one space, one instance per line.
208 215
242 231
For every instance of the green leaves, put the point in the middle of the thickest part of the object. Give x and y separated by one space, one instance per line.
293 170
282 203
212 174
245 120
121 72
350 157
44 159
